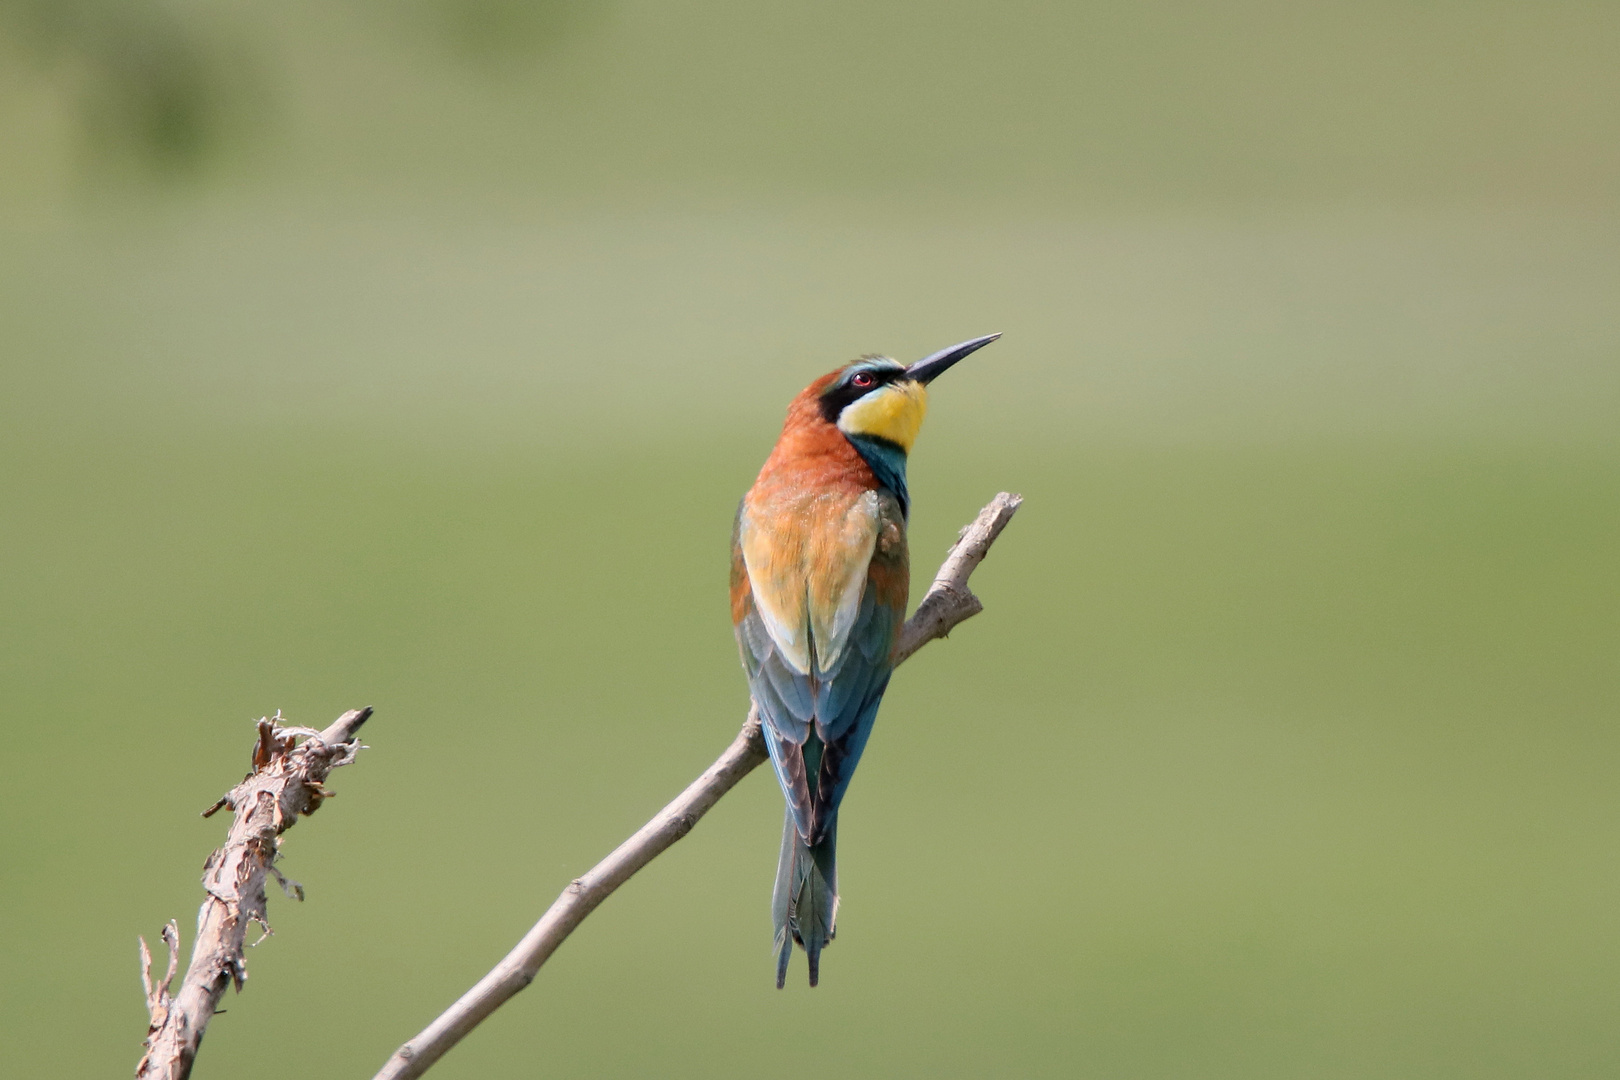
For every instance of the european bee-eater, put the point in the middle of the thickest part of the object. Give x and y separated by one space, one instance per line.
819 577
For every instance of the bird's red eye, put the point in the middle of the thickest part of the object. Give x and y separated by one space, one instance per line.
862 380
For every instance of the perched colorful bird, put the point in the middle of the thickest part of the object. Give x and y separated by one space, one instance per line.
819 576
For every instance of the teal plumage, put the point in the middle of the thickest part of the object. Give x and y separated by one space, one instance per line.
818 589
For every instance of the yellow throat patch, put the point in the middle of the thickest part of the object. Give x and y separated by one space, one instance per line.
894 412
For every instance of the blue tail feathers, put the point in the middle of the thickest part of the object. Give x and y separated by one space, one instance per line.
804 905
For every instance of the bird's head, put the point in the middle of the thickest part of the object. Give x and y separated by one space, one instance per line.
882 399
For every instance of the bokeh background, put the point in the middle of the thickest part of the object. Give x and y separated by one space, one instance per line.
415 354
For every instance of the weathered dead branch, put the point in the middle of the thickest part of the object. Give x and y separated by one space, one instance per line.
947 603
286 783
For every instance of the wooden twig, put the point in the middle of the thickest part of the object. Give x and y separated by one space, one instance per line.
947 603
949 600
285 783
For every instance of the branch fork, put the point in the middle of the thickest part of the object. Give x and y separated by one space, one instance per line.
948 602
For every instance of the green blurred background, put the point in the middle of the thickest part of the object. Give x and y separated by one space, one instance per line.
415 355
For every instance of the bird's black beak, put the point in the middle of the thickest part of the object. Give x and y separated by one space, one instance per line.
930 368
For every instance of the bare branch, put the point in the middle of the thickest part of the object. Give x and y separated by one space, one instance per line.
285 783
948 602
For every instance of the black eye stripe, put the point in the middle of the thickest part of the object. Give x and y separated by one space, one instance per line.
845 391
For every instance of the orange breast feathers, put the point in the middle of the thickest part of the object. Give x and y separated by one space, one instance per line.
805 538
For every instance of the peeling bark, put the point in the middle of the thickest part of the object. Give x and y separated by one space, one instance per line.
285 784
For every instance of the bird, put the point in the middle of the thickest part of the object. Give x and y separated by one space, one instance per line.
819 581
